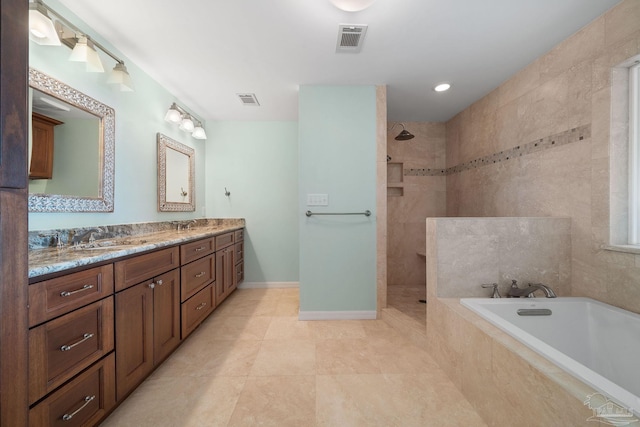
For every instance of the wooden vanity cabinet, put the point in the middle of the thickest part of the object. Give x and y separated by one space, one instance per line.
42 132
71 343
225 267
63 347
84 401
238 258
147 328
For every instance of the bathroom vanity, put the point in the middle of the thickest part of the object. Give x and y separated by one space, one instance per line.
103 316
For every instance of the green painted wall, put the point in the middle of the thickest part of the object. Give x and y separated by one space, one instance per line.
337 156
139 117
258 163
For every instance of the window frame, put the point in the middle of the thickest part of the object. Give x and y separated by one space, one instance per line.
634 154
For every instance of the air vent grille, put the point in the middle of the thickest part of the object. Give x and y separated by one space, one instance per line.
248 99
350 37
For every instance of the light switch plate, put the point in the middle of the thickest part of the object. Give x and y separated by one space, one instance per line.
317 200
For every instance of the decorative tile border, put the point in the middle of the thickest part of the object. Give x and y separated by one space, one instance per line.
580 133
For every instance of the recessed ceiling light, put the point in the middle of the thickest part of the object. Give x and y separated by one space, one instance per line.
441 87
352 5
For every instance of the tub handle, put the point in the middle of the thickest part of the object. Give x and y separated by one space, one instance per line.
494 286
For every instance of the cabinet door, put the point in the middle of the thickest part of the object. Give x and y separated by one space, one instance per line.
224 273
134 336
166 315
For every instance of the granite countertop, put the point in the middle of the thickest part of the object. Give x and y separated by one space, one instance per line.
47 260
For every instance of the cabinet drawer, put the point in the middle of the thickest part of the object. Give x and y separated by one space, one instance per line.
194 250
196 309
224 240
61 348
238 252
239 277
239 235
196 275
82 402
55 297
140 268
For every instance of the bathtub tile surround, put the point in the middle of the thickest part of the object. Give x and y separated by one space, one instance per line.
572 86
502 378
463 253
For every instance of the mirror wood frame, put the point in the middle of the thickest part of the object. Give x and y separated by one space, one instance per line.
165 143
63 203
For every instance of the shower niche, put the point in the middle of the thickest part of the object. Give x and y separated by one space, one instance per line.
395 184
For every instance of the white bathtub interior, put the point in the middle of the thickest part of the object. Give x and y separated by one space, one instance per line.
596 342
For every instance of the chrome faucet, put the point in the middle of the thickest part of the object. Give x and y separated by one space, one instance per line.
515 291
79 237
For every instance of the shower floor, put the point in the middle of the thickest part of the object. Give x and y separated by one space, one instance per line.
405 298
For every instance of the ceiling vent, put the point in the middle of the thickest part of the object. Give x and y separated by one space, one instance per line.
350 37
248 99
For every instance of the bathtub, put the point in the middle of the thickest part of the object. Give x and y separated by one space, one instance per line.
593 341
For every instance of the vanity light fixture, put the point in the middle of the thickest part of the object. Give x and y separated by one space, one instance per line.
441 87
84 51
42 30
120 76
179 116
186 124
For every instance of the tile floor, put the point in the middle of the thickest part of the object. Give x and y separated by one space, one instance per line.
405 298
253 363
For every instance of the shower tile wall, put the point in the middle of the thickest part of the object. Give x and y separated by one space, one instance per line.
567 89
422 196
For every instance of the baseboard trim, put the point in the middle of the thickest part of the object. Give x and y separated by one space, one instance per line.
337 315
268 285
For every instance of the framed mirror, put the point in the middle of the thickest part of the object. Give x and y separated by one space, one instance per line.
71 149
176 176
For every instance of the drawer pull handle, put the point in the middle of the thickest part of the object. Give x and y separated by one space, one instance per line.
201 306
200 274
87 400
159 283
201 248
69 293
68 347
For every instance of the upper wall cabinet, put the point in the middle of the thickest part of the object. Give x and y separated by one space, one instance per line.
79 151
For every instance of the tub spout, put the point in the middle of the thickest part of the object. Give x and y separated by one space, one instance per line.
515 291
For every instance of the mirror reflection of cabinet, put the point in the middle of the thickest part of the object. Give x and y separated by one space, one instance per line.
42 132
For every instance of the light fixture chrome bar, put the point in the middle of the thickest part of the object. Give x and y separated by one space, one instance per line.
66 22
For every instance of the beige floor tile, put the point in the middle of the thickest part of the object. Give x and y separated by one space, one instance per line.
253 363
283 328
184 402
345 356
278 401
285 357
337 329
391 400
253 307
232 328
288 306
290 292
211 358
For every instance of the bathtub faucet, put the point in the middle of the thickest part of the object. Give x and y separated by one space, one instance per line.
515 291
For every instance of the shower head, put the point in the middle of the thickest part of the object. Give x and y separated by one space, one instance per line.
404 134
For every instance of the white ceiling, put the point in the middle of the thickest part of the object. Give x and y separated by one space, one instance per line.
206 51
